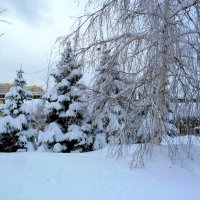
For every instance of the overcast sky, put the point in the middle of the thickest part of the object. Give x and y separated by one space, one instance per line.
35 25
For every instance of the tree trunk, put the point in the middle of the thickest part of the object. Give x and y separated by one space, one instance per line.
162 79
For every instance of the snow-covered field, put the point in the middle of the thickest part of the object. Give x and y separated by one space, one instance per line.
93 176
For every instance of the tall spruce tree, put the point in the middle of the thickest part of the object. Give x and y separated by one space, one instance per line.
16 131
108 112
67 121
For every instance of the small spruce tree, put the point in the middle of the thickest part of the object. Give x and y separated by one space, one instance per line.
16 131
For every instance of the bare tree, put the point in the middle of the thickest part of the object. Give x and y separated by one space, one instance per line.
158 43
40 114
4 21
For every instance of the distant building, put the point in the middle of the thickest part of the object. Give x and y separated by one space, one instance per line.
37 92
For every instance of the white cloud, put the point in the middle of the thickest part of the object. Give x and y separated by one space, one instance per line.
34 29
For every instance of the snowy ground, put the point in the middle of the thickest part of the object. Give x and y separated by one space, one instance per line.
93 176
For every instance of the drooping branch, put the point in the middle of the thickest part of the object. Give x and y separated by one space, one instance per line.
183 6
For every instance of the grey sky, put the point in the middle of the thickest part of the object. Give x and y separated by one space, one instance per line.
35 26
28 12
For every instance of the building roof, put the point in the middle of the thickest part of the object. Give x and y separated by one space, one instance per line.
5 87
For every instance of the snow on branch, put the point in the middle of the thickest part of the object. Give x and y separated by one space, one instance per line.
183 6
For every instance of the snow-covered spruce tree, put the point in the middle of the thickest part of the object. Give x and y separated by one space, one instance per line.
68 125
143 119
108 112
158 42
16 131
